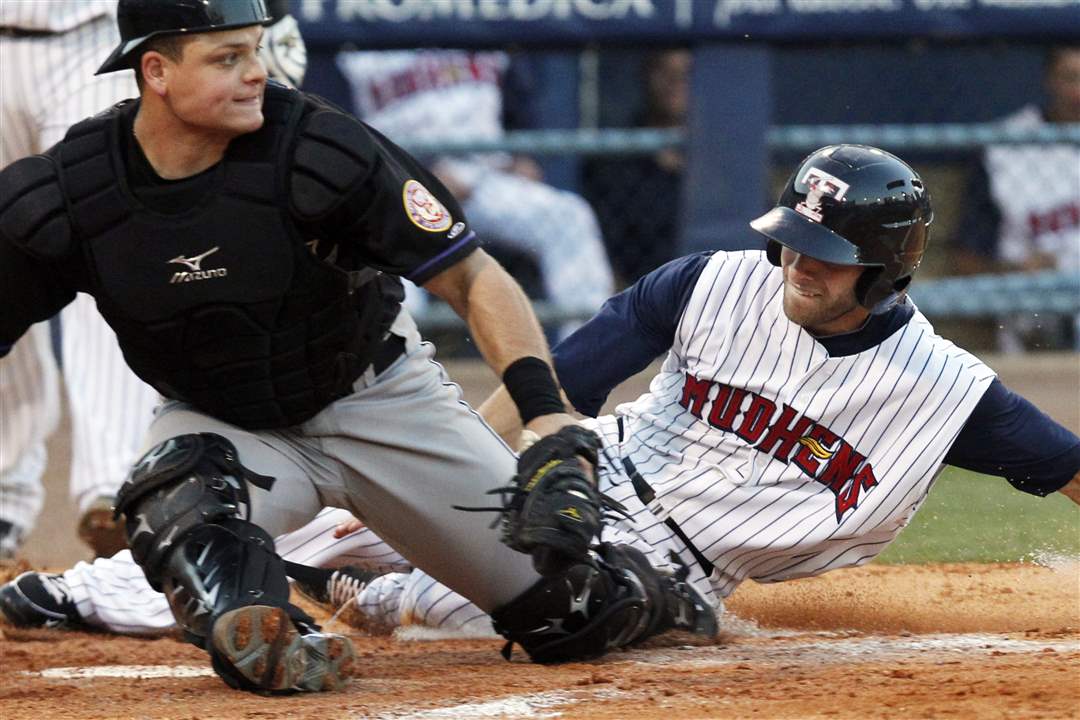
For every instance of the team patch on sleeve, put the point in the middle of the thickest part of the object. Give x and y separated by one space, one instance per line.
424 209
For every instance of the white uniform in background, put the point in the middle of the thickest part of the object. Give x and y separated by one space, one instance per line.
456 95
1037 191
48 54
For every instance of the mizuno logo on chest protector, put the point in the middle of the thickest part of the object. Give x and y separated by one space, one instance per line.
195 271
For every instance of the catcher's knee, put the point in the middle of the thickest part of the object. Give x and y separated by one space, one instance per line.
592 607
185 504
178 485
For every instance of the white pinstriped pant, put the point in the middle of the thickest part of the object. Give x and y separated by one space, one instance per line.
403 596
46 85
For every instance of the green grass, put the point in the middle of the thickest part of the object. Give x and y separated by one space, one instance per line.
975 518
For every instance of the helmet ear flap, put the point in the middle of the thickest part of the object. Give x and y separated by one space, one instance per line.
772 251
874 291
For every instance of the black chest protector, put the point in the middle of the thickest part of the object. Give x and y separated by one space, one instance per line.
223 306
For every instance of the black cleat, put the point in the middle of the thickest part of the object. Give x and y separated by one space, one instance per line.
11 539
39 600
685 608
333 589
262 645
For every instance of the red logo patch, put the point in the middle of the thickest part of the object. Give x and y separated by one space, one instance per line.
424 209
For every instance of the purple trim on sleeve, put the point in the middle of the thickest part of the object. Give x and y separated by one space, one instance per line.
419 272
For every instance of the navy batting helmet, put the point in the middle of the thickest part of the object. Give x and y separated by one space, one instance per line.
141 20
854 205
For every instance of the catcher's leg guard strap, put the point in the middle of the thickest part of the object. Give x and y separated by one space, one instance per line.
592 607
180 484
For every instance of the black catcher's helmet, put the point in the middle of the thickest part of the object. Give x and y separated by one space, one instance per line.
140 20
854 205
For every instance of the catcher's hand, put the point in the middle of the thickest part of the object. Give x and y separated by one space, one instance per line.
555 510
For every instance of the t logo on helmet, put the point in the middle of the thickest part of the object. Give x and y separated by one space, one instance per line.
819 184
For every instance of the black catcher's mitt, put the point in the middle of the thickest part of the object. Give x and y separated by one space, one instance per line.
553 508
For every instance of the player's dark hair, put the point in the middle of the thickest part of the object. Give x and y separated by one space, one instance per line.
171 46
1053 56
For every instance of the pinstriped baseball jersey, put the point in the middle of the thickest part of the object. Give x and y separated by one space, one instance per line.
777 459
47 84
52 16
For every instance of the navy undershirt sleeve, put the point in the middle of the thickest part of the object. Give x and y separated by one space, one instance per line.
1009 437
629 332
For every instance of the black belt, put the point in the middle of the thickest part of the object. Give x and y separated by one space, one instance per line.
389 351
646 494
14 32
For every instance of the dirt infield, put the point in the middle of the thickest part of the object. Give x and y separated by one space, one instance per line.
953 641
946 641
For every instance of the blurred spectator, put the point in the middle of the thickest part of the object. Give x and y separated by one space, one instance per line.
458 95
637 198
1023 211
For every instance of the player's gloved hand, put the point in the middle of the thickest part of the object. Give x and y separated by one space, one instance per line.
555 509
283 51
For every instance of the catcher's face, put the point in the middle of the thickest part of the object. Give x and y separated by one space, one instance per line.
218 83
820 296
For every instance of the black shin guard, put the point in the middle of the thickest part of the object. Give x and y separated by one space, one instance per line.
613 599
220 567
583 613
185 504
674 603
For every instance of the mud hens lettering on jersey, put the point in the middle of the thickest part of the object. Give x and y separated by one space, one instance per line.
432 72
777 456
786 435
1054 220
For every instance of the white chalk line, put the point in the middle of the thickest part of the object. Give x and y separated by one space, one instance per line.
788 651
531 705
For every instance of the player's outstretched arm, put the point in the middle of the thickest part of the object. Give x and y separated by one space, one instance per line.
506 331
1072 489
1007 436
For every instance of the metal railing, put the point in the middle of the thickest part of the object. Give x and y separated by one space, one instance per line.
969 296
623 141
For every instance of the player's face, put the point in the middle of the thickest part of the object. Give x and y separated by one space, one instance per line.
1063 86
219 82
820 296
